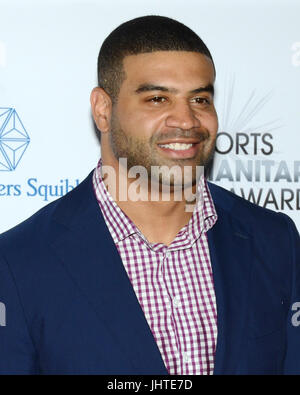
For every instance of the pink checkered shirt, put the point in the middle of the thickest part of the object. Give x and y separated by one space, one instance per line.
173 284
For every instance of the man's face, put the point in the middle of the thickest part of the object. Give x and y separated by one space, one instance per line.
162 102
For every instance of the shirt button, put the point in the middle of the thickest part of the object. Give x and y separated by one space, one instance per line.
186 357
168 254
176 301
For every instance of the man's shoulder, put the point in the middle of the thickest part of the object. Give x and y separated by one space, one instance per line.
242 210
36 228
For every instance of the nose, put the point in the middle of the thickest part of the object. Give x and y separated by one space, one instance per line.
182 116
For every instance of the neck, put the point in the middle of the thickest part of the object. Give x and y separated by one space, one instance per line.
158 213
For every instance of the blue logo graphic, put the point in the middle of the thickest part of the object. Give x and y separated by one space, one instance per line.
14 139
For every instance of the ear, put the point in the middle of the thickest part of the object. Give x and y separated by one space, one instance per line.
101 105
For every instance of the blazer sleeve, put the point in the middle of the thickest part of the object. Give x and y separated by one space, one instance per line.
17 352
292 359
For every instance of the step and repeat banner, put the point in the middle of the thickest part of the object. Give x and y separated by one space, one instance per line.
48 58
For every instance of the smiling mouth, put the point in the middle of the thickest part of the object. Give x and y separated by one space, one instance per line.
177 146
179 149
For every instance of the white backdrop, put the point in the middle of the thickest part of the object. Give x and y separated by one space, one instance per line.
48 56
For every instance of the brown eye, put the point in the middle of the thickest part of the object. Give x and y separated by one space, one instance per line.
201 100
158 99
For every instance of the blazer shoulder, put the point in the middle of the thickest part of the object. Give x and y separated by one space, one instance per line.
35 229
243 210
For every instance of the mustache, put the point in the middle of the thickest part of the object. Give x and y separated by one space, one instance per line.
198 135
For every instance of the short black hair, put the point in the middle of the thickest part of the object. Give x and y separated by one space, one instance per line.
140 35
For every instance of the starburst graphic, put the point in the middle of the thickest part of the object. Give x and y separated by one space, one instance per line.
14 139
240 117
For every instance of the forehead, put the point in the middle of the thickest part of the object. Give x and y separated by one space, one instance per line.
173 68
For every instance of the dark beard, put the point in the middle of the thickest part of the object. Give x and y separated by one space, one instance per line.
139 152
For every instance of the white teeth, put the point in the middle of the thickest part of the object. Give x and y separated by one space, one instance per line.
176 146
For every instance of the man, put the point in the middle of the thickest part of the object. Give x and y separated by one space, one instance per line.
109 280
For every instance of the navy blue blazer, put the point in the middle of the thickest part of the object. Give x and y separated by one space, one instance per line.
71 309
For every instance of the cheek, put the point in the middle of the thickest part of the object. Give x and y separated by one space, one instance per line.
210 121
138 125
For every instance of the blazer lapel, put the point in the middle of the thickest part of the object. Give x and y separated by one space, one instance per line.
230 251
87 251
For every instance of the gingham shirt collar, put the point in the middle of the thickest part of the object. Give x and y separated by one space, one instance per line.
203 218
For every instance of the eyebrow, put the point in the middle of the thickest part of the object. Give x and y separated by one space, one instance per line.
150 87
